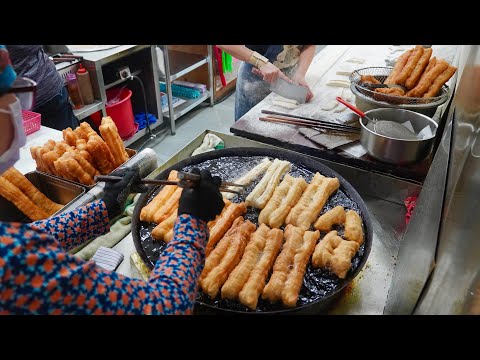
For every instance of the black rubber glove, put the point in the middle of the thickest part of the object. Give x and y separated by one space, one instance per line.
205 200
116 193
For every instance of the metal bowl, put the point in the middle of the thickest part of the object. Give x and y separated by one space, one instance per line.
365 99
397 151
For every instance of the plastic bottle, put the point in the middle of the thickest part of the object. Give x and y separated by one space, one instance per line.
74 91
83 78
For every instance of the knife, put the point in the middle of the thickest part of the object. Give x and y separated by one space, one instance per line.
289 90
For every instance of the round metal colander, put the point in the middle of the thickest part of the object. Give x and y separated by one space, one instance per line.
381 74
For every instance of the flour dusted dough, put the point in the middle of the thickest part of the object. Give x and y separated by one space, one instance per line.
285 104
329 105
338 83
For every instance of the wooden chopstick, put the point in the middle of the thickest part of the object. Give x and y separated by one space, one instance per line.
304 123
317 121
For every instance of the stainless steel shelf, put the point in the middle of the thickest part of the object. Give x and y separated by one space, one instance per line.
141 133
88 110
119 81
182 63
188 105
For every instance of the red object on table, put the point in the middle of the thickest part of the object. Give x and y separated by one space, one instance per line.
218 56
410 203
31 121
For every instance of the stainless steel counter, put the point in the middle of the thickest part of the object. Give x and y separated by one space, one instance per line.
383 196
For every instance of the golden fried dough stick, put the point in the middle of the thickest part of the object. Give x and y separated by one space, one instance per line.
398 67
285 196
224 223
427 79
109 132
332 217
439 81
260 195
353 227
312 201
161 230
81 146
391 91
101 154
168 207
86 166
74 169
412 62
212 223
248 279
247 178
84 131
41 150
418 70
148 212
169 235
369 79
50 144
324 250
290 266
214 280
62 170
341 261
69 136
13 194
25 186
34 151
48 159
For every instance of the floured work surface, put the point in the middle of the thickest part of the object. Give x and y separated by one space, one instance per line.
324 71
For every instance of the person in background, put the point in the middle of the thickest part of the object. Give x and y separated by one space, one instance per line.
263 64
51 98
38 276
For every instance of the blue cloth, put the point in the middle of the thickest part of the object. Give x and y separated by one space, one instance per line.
141 120
7 74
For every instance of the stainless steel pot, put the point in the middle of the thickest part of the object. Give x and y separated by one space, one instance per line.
397 151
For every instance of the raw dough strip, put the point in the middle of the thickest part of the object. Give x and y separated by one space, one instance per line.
259 196
249 176
237 241
419 68
312 201
167 191
353 227
285 196
24 185
247 280
223 223
290 266
332 217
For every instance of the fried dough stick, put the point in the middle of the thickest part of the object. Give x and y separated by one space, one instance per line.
412 62
247 280
212 223
224 223
70 136
290 266
312 201
85 165
353 227
101 154
419 68
285 196
335 253
428 78
168 207
13 194
109 132
148 212
161 230
439 81
237 240
369 79
397 68
249 177
81 146
24 185
260 195
332 217
67 163
84 131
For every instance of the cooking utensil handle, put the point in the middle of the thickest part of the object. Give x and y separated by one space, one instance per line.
351 107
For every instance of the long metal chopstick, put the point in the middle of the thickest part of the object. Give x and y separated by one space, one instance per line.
308 124
328 123
108 178
332 126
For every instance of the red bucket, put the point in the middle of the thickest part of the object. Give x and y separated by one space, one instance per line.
121 112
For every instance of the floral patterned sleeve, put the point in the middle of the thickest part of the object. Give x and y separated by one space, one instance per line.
76 227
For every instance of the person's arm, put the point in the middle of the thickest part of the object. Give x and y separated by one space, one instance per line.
266 70
304 61
76 227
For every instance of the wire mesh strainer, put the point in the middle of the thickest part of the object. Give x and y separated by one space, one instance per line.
381 73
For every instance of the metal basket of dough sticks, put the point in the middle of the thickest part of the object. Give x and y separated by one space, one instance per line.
368 99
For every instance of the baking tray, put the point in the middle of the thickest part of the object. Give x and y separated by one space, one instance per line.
56 189
320 287
130 152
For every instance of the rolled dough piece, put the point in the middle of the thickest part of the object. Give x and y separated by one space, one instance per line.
356 60
339 83
286 104
329 105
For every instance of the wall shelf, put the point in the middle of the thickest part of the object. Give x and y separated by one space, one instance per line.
188 105
88 110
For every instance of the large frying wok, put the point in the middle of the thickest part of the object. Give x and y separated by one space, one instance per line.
320 287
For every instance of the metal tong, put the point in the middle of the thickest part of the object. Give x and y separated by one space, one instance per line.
187 181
